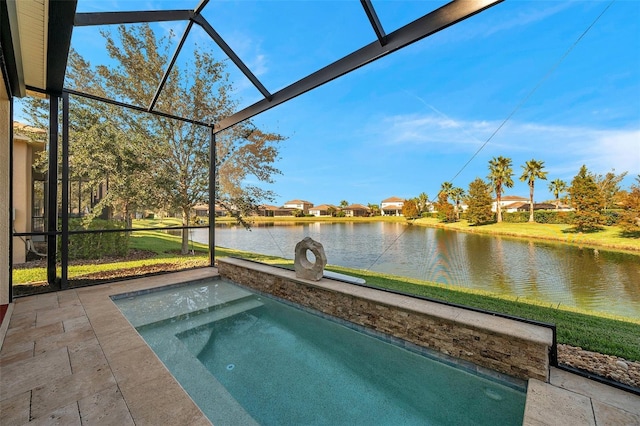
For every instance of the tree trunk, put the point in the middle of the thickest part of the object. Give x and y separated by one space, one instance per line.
531 220
185 232
498 207
127 217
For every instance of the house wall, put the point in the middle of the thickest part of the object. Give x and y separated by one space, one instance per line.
510 347
21 219
391 206
300 206
5 126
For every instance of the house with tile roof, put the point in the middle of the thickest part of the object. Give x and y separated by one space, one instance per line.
505 200
302 205
391 206
356 210
323 210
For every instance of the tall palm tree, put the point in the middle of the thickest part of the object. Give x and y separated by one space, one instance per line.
457 194
557 187
500 176
423 202
531 171
446 188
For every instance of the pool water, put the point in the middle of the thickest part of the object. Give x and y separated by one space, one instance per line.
248 359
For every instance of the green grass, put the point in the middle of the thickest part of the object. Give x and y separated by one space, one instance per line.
609 237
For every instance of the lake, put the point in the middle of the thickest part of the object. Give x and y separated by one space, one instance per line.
558 274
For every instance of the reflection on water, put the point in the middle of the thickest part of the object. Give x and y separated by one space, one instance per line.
591 279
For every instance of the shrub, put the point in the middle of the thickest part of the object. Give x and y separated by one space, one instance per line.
515 217
612 217
552 216
97 245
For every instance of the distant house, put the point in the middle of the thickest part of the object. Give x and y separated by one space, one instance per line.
513 207
506 200
201 210
391 206
302 205
356 210
323 210
536 206
267 210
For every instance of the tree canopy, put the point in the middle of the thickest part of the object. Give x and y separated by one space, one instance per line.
557 187
587 201
630 220
479 203
156 162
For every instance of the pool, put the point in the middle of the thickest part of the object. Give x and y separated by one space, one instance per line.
245 358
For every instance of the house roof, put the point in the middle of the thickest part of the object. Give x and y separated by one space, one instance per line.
512 198
268 207
393 200
515 205
323 207
298 202
21 127
356 207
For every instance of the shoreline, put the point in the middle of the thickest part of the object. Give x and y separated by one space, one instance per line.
581 240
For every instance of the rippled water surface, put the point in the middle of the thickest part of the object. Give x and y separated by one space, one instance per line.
586 278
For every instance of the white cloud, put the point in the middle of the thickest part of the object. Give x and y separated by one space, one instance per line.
562 147
539 12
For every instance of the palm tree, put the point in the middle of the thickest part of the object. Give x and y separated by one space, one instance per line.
500 176
446 188
531 171
423 202
457 194
557 187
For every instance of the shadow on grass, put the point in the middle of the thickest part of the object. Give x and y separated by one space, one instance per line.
102 277
581 231
630 234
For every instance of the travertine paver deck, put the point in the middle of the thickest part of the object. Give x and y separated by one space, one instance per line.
71 358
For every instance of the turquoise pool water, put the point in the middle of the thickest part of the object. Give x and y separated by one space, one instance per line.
249 359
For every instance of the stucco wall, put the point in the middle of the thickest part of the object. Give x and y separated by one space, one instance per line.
5 123
510 347
21 196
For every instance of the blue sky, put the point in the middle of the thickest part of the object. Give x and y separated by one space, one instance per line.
409 121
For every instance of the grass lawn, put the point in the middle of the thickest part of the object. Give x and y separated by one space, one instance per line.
609 236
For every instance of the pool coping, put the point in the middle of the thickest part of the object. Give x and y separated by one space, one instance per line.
115 377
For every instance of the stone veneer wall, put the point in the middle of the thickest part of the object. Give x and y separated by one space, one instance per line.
510 347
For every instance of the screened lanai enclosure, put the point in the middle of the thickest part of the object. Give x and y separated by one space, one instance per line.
157 128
